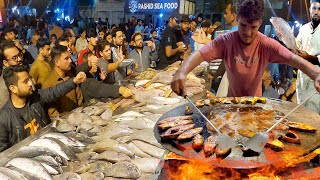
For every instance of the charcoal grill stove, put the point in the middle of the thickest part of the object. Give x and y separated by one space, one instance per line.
305 163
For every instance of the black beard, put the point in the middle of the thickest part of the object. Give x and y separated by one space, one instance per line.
315 22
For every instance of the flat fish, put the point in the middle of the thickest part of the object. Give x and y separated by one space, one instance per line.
86 126
141 83
284 32
64 139
67 176
107 114
110 144
111 156
79 167
146 135
30 166
99 166
141 123
123 139
97 120
147 165
132 113
15 175
123 169
93 176
66 127
113 134
149 149
94 110
76 118
138 151
86 156
167 101
4 176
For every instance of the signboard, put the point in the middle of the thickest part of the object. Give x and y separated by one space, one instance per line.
151 6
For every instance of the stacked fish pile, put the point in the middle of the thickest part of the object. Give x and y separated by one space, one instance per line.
92 143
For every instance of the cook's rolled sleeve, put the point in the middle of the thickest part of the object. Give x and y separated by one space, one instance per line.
213 50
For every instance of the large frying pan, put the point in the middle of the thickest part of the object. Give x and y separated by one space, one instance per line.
236 159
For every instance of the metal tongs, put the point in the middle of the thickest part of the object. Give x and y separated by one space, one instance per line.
259 140
223 141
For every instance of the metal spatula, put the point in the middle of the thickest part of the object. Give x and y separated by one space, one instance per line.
259 140
223 141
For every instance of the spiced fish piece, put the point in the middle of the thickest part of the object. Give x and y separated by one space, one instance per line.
290 137
200 103
302 127
174 132
209 146
246 133
262 100
188 111
275 145
221 154
190 133
197 143
165 126
172 119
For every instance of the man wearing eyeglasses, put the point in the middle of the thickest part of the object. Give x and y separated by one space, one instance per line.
10 35
142 54
170 49
10 55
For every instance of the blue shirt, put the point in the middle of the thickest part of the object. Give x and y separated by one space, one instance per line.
234 28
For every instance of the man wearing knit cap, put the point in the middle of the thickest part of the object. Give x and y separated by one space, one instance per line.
308 41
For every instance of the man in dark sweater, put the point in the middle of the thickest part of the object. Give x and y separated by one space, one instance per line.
23 114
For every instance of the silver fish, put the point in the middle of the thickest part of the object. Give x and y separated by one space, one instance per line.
12 174
49 160
51 145
30 166
284 32
50 169
80 137
64 139
4 176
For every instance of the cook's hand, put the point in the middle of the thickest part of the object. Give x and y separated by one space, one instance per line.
125 92
178 84
317 83
80 78
181 48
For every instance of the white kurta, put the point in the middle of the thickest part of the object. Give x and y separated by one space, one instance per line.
308 40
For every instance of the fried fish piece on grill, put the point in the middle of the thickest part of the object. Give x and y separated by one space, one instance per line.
275 145
262 100
209 146
246 133
221 154
188 111
236 100
174 132
197 143
251 101
190 133
168 125
290 137
172 119
200 103
302 127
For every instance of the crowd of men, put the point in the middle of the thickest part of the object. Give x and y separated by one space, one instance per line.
63 67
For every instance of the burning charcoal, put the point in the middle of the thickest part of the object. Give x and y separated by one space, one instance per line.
291 137
197 142
249 152
188 111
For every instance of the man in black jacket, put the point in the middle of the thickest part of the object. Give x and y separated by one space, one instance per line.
24 114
